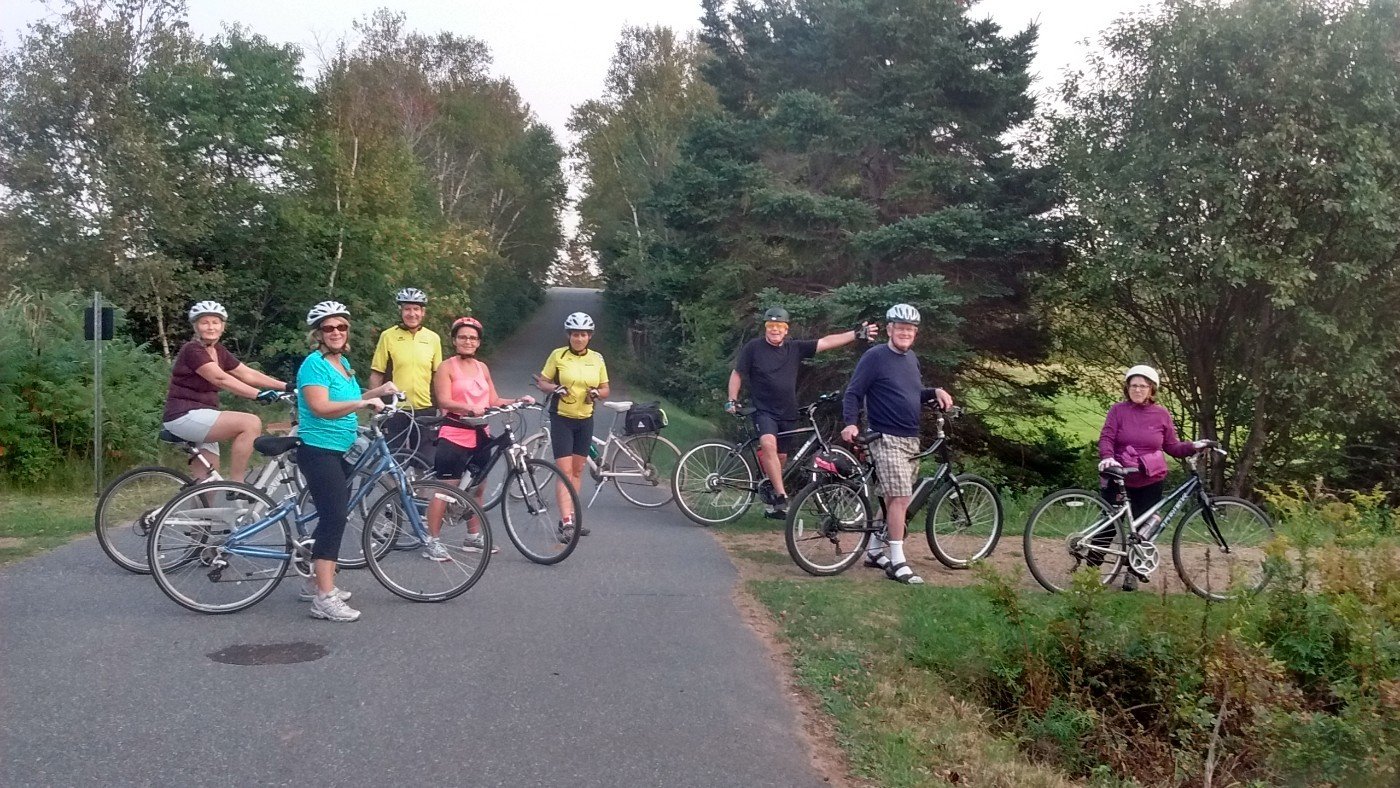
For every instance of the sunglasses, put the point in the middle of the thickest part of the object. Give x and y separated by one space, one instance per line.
775 324
339 328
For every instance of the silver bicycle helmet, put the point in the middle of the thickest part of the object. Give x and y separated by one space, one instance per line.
208 308
412 295
903 313
578 321
324 310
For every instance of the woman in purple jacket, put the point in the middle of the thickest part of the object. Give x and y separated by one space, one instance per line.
1136 434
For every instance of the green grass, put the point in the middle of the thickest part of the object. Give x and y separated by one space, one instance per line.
33 521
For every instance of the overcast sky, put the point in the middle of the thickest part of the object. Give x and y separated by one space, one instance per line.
557 51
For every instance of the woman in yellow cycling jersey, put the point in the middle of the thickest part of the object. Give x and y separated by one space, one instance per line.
584 375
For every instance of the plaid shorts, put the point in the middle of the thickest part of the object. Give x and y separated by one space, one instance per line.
895 464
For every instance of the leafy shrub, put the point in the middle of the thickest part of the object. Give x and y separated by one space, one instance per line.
46 389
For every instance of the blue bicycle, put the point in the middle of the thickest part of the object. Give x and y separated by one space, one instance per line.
221 547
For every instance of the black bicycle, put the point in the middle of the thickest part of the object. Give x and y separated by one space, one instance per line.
1220 546
528 495
831 521
717 481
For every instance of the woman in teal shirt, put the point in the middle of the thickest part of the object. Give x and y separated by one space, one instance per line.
329 397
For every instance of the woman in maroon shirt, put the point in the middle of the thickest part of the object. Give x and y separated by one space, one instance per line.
202 369
1137 434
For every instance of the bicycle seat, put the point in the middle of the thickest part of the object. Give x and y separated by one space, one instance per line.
620 406
271 446
1117 471
170 437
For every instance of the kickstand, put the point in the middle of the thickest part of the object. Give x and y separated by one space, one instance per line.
597 488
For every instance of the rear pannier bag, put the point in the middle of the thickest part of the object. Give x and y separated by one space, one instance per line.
643 418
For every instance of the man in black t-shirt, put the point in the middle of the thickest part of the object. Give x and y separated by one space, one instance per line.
768 366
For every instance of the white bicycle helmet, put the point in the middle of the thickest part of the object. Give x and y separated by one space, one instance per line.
208 308
412 295
578 321
903 313
1146 372
324 310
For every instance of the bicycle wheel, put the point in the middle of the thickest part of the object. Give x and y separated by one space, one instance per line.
964 521
351 553
1067 532
192 561
713 483
127 511
826 529
1231 564
647 463
531 512
412 574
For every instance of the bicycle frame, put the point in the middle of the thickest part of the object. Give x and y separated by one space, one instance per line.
796 460
1193 487
383 463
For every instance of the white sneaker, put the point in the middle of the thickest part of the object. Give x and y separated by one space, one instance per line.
476 543
308 592
331 608
434 550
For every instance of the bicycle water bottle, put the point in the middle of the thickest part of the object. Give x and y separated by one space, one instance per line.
592 450
1149 529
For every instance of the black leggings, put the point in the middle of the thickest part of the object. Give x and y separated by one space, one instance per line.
326 472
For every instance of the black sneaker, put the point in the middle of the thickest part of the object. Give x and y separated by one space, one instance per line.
779 510
565 532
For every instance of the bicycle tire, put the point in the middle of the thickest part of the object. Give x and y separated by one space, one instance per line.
827 517
529 519
409 573
962 532
659 458
1053 552
185 542
127 510
1246 529
714 483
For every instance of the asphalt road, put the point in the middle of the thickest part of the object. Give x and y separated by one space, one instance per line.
626 665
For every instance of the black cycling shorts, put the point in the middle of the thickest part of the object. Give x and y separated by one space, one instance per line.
570 437
453 460
767 424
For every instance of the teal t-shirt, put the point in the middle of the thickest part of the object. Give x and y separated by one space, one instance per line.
334 434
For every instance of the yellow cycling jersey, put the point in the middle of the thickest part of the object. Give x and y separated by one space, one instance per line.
412 358
578 374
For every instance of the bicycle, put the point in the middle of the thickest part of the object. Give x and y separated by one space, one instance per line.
527 495
127 508
831 521
224 546
1218 545
639 465
715 482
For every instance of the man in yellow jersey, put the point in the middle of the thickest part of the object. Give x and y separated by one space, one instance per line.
409 354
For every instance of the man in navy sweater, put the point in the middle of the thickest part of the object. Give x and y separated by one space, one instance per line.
887 380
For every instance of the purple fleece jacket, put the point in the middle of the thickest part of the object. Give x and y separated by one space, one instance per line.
1136 436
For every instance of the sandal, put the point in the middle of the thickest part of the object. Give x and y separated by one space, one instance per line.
881 561
903 573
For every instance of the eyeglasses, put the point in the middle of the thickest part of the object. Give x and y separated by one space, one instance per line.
339 328
467 338
1139 387
775 324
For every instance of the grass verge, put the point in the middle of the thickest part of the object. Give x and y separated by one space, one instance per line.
33 521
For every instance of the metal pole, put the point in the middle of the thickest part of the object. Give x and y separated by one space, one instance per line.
96 393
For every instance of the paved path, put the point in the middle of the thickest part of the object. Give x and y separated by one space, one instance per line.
626 665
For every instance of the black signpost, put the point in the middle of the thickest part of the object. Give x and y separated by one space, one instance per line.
97 328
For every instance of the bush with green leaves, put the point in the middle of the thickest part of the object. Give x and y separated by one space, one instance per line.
46 389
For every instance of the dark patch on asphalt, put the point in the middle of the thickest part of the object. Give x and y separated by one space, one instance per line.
270 653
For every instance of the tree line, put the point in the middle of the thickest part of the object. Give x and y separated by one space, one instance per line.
162 167
1214 192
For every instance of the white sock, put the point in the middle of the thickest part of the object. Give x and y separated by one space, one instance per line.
876 547
896 551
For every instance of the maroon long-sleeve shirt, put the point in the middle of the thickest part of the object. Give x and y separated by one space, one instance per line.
1136 436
